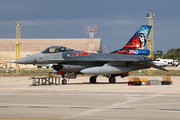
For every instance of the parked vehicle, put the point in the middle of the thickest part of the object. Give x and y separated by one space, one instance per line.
176 63
168 62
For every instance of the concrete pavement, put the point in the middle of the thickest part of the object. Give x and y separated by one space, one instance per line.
81 100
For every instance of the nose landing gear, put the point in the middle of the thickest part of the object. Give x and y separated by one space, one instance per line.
64 81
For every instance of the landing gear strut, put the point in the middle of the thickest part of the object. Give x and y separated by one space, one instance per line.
93 79
112 79
64 81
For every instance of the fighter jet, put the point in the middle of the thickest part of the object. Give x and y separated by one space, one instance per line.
69 62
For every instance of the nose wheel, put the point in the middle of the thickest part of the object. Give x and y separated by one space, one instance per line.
64 81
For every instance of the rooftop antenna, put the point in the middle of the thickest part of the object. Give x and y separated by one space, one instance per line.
91 30
105 47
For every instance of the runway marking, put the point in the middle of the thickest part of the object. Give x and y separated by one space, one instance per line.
115 105
4 106
170 109
82 107
125 108
100 94
38 107
39 119
100 108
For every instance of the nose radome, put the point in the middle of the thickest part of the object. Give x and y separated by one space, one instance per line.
26 60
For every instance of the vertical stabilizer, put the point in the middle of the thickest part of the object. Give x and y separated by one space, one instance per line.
136 44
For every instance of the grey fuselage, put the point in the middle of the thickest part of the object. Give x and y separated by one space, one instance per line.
75 61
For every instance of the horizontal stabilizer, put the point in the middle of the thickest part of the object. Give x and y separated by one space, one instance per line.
155 66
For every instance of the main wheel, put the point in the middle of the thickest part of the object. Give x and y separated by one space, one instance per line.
112 79
64 81
92 79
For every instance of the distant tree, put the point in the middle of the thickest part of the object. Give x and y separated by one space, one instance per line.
158 54
172 51
178 58
177 52
170 56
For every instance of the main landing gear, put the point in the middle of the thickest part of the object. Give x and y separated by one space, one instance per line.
92 79
112 79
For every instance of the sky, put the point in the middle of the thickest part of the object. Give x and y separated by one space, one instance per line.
117 20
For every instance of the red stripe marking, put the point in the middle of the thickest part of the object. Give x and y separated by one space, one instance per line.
75 54
60 73
85 53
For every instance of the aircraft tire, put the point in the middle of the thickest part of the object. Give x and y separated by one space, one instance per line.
64 81
112 79
92 79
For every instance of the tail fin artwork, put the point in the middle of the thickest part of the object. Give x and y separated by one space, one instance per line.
136 44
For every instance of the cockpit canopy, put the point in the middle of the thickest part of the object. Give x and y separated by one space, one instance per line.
56 49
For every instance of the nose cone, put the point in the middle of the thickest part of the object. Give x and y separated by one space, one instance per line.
26 60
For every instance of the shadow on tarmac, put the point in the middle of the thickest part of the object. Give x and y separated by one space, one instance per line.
96 83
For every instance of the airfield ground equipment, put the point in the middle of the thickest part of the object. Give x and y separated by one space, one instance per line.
135 81
49 80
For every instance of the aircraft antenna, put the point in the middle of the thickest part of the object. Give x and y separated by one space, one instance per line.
18 44
91 30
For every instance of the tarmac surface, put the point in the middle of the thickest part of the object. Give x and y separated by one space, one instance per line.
80 100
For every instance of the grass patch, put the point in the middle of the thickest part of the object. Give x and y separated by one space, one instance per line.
45 72
155 73
25 72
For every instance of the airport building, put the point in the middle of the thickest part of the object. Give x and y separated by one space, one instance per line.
33 46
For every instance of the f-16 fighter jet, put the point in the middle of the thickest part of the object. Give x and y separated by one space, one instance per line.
69 62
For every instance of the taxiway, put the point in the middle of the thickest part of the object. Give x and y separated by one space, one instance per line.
84 101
